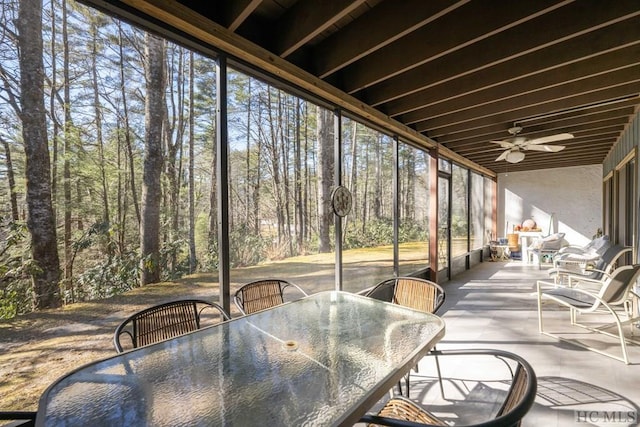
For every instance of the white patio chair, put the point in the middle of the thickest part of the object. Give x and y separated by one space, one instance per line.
614 296
596 246
589 267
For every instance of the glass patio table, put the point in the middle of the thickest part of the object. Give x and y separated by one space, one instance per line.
322 360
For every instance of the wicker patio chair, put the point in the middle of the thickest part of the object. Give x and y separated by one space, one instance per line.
18 418
613 296
263 294
413 292
164 321
400 411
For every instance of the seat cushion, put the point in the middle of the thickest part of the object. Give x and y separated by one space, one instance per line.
570 297
548 243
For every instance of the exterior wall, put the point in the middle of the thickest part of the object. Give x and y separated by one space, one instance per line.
629 141
567 200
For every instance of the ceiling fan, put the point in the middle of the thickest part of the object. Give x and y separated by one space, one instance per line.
514 147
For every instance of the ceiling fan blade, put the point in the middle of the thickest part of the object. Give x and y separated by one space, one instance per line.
504 144
547 148
550 138
503 155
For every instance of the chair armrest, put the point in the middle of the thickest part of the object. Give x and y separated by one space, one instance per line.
577 278
365 291
589 271
576 259
293 285
565 271
576 267
546 283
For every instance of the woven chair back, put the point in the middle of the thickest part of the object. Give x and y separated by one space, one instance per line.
164 321
419 294
261 295
161 323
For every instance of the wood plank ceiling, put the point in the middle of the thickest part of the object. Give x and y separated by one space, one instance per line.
463 72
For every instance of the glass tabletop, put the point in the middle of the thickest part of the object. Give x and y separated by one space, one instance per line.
318 361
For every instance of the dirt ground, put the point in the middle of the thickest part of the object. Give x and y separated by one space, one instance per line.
40 347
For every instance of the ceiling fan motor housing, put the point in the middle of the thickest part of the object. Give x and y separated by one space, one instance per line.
515 130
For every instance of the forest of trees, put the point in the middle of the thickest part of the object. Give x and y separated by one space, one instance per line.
109 163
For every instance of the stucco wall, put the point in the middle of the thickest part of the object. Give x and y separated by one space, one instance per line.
567 200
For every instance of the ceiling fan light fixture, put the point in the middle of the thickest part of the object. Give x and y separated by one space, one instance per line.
515 156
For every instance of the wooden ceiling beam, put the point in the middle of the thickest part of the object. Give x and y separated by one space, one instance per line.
462 27
392 21
573 72
236 12
484 147
523 166
429 84
305 20
573 125
511 113
475 107
547 158
590 135
539 31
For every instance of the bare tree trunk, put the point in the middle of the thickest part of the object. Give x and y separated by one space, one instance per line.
365 190
40 221
275 158
250 172
151 190
257 182
410 194
55 131
12 180
193 262
353 184
306 227
325 176
122 185
298 178
213 200
97 108
66 181
174 135
377 201
285 146
127 129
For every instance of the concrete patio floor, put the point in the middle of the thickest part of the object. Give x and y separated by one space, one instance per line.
494 305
